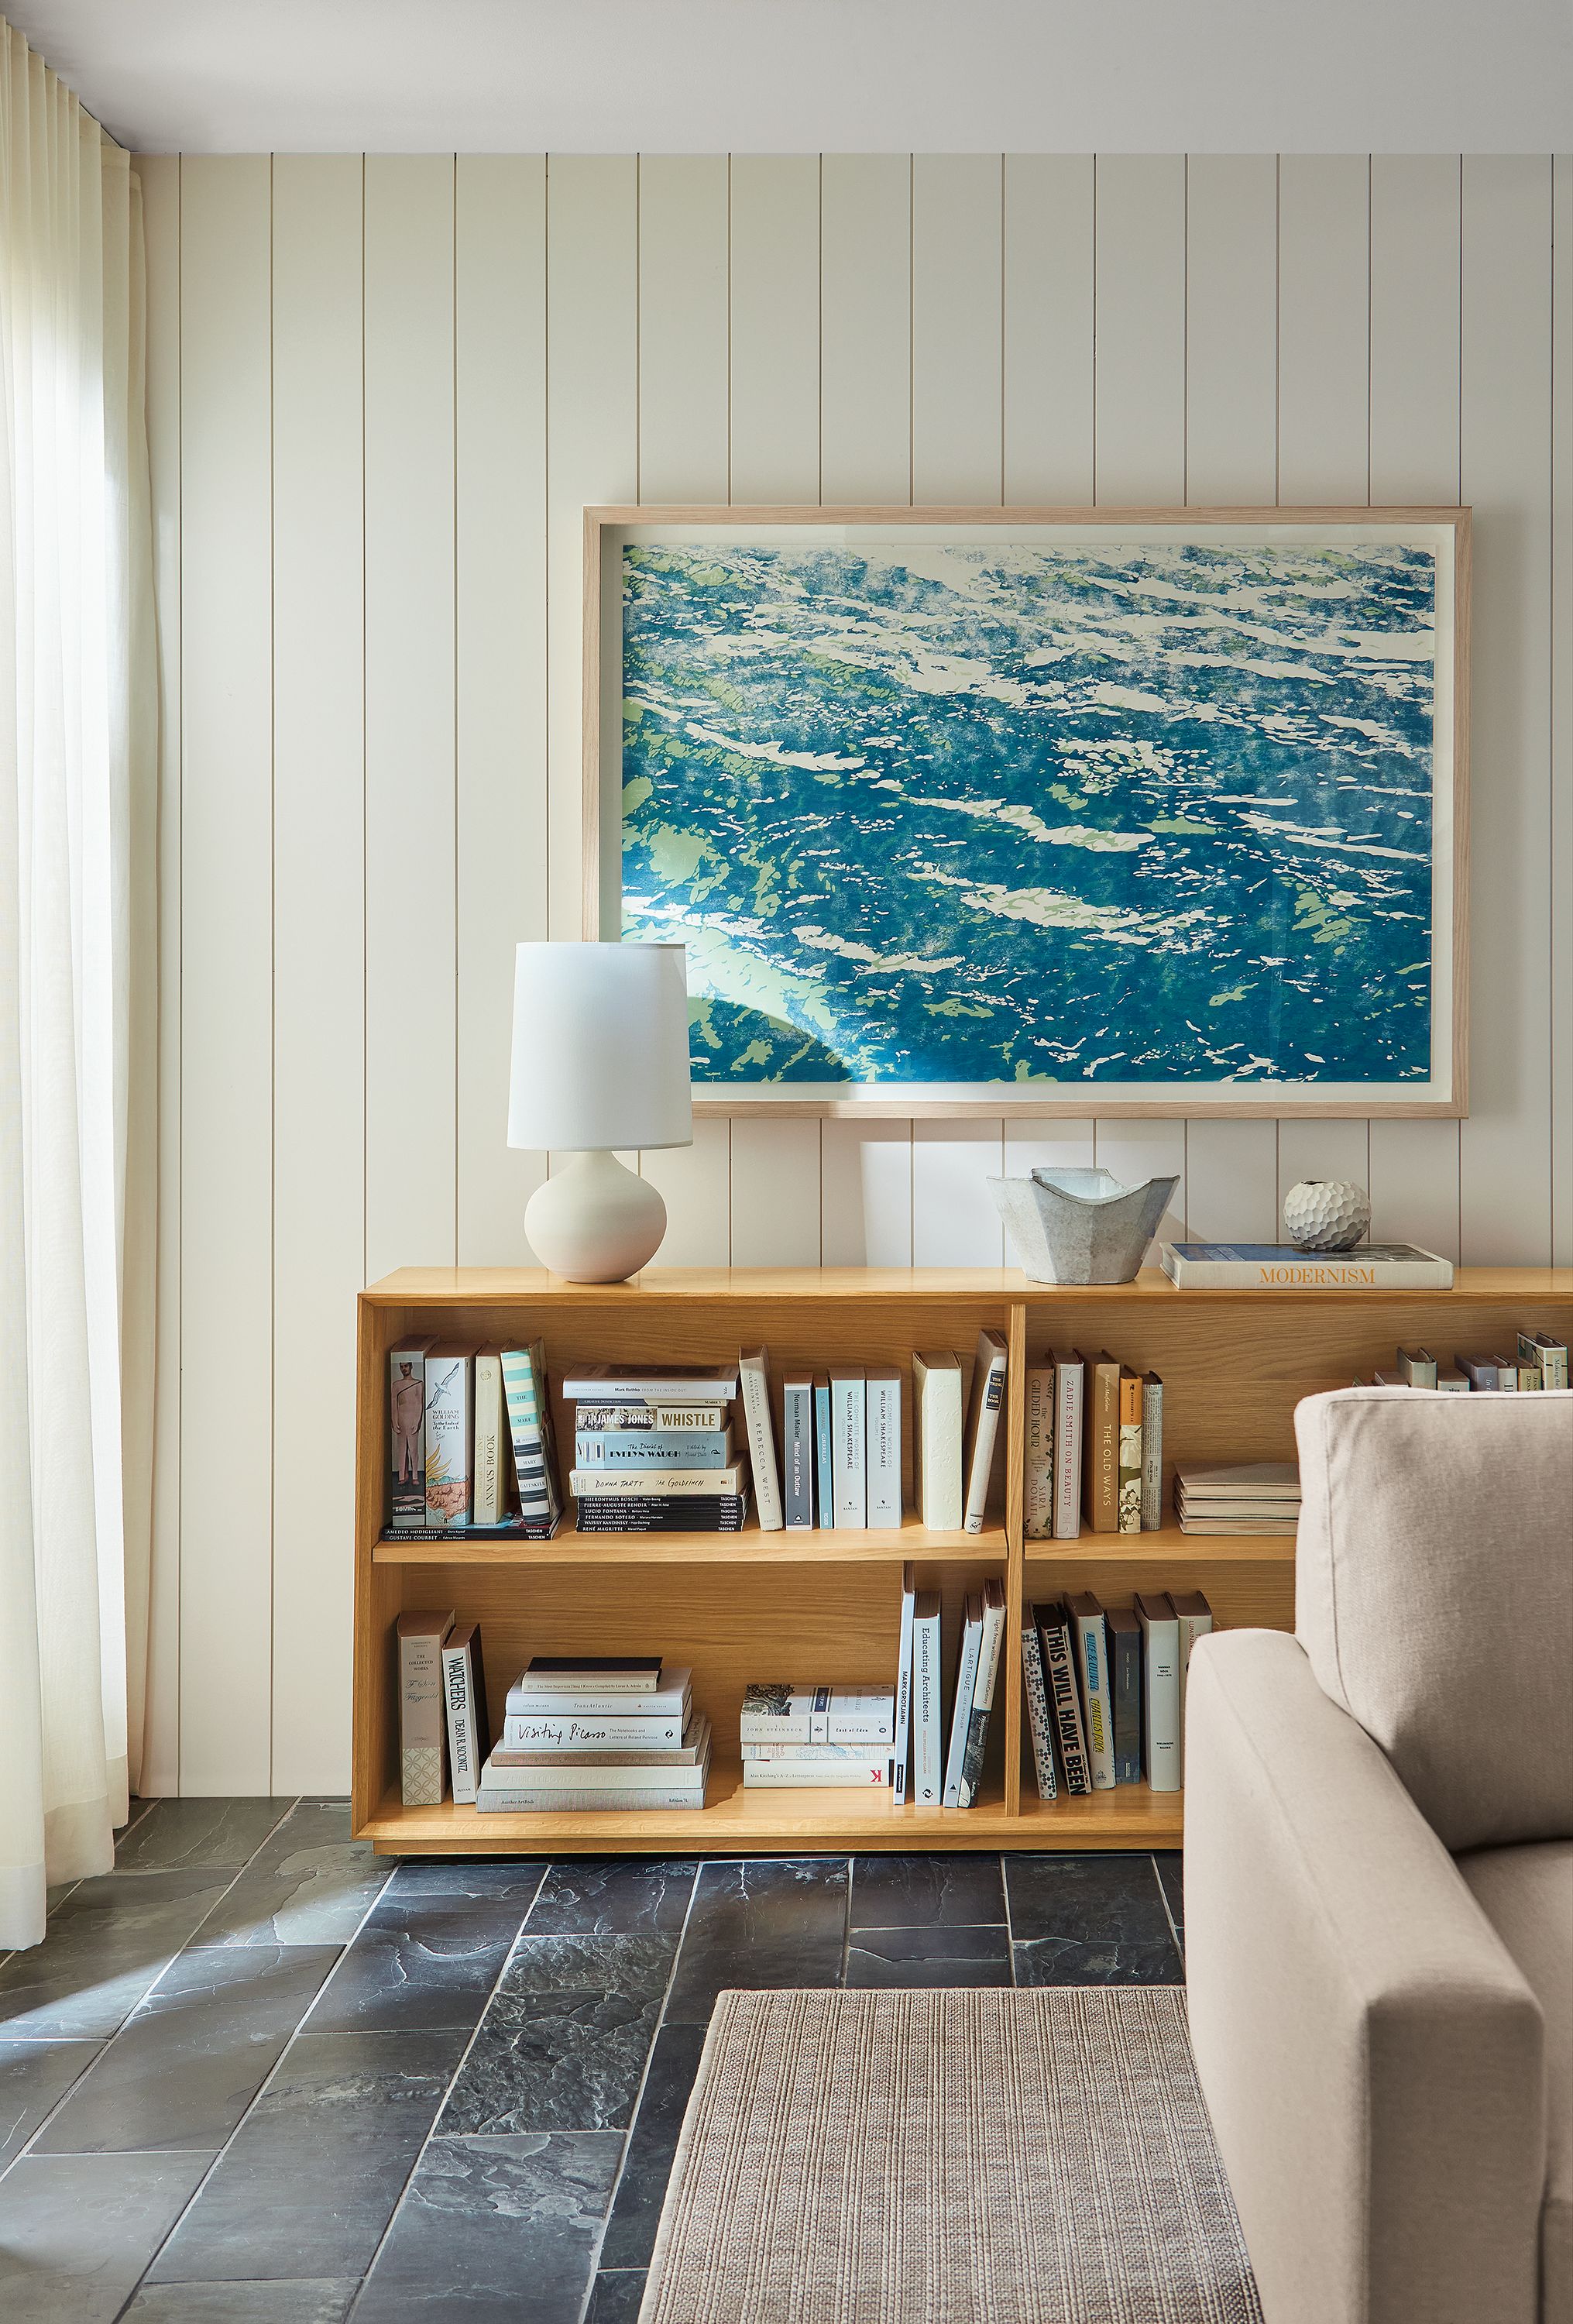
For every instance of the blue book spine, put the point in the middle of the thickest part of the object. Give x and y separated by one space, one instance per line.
652 1448
1125 1671
822 1477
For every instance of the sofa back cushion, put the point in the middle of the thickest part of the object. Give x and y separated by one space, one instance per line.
1434 1596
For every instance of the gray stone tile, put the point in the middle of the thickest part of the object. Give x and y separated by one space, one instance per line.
191 1835
777 1923
34 2076
1086 1897
615 2296
495 2231
111 1940
1171 1879
615 1896
630 2232
77 2230
564 2044
191 2058
310 1885
926 1892
311 2177
322 2300
513 1882
1070 1960
420 1959
929 1957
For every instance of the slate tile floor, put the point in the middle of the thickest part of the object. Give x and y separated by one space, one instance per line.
257 2075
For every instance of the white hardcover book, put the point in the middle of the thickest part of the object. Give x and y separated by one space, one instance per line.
1097 1695
448 1435
827 1754
489 1493
1070 1376
1038 1479
1280 1267
423 1728
693 1746
777 1711
1152 1452
883 1405
593 1798
983 1693
867 1774
650 1419
962 1710
849 1434
928 1774
936 1387
611 1384
654 1484
1193 1618
624 1731
597 1701
567 1777
983 1427
1035 1695
904 1677
1160 1692
464 1695
797 1451
754 1378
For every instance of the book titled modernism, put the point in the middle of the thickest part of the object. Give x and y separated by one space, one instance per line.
1280 1267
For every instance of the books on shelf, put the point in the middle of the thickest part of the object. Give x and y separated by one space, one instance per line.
1035 1712
1243 1497
981 1706
1128 1498
967 1661
1544 1358
1069 1386
1097 1700
407 1433
1152 1452
1160 1690
422 1714
709 1449
928 1774
1056 1645
797 1451
449 1421
1100 1441
647 1419
634 1482
491 1468
1123 1633
904 1660
781 1710
621 1742
606 1790
1193 1616
669 1697
882 1448
529 1423
597 1733
612 1674
1038 1454
823 1454
849 1403
464 1701
983 1425
663 1512
1280 1267
753 1373
936 1403
631 1387
811 1768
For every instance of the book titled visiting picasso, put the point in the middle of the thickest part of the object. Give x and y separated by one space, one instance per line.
1280 1267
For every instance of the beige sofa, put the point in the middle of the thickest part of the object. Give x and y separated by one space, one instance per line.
1379 1873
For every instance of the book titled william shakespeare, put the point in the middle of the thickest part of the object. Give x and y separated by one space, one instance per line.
1280 1267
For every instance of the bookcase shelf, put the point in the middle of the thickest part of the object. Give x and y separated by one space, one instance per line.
826 1605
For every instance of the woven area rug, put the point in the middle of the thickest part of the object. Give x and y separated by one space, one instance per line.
977 2156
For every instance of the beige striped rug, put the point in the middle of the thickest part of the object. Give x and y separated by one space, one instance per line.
972 2156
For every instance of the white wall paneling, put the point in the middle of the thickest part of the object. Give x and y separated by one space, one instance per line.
516 338
320 1144
226 976
499 648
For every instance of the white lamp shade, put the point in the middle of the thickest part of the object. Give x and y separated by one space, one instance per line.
600 1047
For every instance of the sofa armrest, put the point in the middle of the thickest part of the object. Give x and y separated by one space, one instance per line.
1372 2059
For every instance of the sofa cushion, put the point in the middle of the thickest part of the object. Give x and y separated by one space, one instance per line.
1434 1595
1527 1895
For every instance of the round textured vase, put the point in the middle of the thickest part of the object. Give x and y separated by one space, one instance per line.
594 1221
1326 1215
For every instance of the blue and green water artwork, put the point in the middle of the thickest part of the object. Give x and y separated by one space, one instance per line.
1130 812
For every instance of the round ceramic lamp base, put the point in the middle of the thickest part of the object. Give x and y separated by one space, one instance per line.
594 1221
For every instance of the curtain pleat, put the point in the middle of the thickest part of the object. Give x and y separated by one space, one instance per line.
77 736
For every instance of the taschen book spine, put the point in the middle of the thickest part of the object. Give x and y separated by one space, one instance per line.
928 1763
988 1397
1068 1395
961 1710
883 1463
1091 1659
1065 1702
1152 1452
1038 1481
982 1694
798 1454
465 1694
754 1381
422 1716
849 1431
904 1679
937 1380
1036 1697
489 1496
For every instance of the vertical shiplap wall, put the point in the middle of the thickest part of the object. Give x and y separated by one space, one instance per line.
382 391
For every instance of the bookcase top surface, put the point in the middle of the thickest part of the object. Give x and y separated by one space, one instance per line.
414 1286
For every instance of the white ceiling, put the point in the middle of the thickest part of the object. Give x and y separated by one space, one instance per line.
802 76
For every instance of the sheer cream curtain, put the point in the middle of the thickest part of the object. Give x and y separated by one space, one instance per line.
78 742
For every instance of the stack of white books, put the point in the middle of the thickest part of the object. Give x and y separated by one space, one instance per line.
1261 1497
803 1736
598 1731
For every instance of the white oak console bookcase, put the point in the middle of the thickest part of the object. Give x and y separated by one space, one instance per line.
825 1605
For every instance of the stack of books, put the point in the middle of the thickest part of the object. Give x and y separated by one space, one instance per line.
1538 1362
470 1443
591 1732
1260 1497
1104 1689
654 1452
1094 1446
803 1736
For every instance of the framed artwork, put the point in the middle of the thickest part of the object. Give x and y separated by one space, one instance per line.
1086 812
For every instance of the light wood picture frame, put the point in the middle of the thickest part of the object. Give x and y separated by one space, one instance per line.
1009 811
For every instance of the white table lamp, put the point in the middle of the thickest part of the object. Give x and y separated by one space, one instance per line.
600 1061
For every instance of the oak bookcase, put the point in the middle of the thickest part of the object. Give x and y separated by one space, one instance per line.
825 1605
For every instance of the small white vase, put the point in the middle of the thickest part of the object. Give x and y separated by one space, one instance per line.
1326 1215
594 1221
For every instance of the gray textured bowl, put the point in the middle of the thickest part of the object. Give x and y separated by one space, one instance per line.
1080 1226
